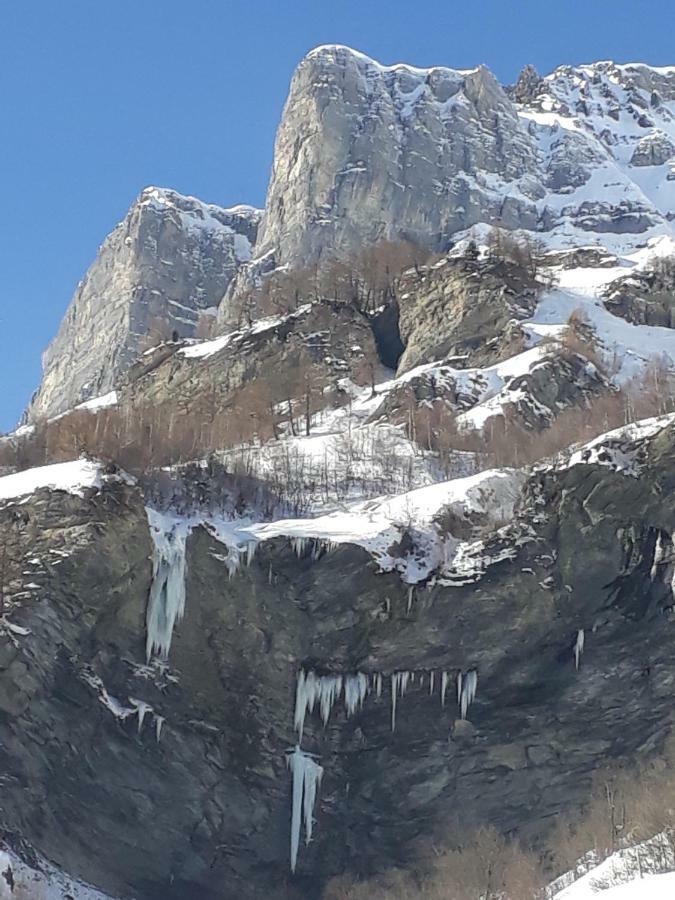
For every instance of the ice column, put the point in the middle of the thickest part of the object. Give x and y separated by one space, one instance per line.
307 776
166 605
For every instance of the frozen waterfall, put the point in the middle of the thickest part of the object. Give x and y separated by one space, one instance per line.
307 776
166 605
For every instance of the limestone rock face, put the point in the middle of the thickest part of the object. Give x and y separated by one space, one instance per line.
169 259
333 339
461 308
529 85
366 152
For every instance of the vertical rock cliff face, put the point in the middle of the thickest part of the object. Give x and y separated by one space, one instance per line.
367 152
170 258
171 780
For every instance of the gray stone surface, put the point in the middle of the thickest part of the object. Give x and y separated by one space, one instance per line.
654 150
171 258
366 153
462 308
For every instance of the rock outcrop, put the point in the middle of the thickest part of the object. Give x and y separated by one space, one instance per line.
645 297
367 152
169 260
462 308
653 150
322 341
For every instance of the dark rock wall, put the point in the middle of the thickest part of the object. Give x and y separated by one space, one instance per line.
206 811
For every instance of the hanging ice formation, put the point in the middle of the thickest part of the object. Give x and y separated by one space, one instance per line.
307 776
399 685
579 647
159 721
251 547
325 690
142 709
166 605
356 688
316 546
444 687
411 597
467 690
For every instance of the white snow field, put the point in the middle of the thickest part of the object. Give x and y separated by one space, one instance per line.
73 477
635 873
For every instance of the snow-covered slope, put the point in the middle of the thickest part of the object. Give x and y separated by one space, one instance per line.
73 477
606 134
635 873
41 881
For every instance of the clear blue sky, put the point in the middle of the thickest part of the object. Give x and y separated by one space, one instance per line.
99 99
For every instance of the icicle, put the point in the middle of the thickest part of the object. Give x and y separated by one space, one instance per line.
329 689
378 684
469 688
432 677
166 604
444 687
233 562
459 688
319 548
301 699
356 688
299 545
269 574
251 547
310 689
399 684
394 690
307 776
579 647
411 592
159 721
142 709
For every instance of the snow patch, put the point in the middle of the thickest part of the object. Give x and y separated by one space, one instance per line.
74 477
42 882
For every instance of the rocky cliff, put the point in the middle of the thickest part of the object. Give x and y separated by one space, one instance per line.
367 153
169 260
180 770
